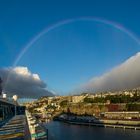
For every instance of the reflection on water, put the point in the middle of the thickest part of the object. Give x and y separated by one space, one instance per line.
63 131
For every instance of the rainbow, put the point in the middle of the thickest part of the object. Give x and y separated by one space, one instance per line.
68 21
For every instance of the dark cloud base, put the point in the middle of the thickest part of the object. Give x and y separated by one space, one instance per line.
22 82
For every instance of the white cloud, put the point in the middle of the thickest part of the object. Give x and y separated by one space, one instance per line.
124 76
22 71
36 76
21 81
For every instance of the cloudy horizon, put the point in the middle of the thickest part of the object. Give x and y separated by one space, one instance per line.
123 76
19 80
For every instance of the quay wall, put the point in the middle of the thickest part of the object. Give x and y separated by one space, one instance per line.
106 123
120 122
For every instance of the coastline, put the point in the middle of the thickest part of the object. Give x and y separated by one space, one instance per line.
103 124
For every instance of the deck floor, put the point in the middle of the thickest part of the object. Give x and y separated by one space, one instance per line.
15 129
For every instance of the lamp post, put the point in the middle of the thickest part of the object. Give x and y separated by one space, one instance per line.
15 110
15 97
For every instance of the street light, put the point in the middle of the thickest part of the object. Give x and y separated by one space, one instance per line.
15 97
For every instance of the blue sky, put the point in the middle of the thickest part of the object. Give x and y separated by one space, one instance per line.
71 54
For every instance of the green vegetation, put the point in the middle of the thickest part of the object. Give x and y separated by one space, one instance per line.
114 99
133 107
88 100
64 103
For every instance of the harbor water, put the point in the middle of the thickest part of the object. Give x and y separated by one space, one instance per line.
63 131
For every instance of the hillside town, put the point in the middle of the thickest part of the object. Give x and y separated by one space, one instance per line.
123 105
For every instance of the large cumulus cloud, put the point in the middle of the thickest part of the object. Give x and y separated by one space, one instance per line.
21 81
124 76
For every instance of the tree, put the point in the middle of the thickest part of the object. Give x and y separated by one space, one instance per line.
88 100
64 103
